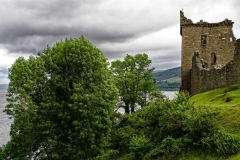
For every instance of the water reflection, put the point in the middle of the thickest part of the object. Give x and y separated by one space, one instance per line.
170 94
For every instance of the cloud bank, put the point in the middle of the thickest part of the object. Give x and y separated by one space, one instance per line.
116 27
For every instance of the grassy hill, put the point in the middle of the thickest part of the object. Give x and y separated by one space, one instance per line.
228 96
227 102
168 80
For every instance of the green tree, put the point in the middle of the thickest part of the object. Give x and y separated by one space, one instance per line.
133 77
61 102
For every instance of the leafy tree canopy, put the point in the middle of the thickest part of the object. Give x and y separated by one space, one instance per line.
61 103
133 77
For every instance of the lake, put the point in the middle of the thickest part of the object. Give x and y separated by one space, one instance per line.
5 122
169 94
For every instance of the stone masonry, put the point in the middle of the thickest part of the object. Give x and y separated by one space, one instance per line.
210 55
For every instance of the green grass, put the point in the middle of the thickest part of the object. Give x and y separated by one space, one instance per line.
235 157
194 156
227 101
228 96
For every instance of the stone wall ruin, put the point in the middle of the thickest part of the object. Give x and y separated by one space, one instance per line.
210 55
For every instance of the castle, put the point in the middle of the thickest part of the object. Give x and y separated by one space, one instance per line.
210 55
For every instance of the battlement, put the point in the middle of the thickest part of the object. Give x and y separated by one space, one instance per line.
185 22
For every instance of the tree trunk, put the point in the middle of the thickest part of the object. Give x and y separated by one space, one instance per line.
127 108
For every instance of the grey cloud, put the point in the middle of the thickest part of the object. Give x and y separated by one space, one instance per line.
168 58
28 26
3 76
4 71
63 19
166 65
56 10
112 55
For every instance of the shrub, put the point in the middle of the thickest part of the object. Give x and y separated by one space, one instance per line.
164 129
110 154
139 145
170 146
225 143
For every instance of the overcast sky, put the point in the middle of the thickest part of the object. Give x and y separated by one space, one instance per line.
117 27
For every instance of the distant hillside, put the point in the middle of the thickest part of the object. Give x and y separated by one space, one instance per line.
168 80
3 86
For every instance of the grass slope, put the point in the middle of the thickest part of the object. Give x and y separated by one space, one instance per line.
227 101
228 96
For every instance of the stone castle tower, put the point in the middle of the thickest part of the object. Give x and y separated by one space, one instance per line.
207 48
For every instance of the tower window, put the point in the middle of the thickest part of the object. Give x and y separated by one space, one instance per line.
213 58
203 40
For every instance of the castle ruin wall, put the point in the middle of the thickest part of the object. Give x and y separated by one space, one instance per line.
203 79
214 48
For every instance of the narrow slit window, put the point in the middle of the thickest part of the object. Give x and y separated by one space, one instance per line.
214 58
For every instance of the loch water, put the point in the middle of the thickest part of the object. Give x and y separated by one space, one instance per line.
5 122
